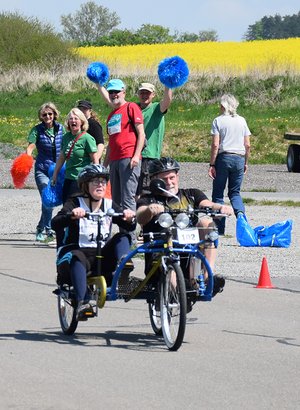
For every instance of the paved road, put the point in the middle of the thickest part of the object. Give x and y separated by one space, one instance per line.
242 350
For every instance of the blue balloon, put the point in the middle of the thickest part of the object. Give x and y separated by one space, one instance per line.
98 73
173 72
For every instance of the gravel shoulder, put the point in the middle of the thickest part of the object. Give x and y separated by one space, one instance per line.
261 178
20 211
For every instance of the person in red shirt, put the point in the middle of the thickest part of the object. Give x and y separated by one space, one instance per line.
125 128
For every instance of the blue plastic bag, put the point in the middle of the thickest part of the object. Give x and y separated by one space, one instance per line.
245 235
277 235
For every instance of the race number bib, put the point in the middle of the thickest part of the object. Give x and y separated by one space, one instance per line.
186 236
87 233
114 124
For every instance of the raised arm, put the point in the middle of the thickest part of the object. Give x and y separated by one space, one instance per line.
104 93
166 100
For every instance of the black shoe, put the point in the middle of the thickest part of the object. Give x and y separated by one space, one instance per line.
191 284
189 305
219 283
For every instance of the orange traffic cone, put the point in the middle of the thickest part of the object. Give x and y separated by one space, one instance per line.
264 277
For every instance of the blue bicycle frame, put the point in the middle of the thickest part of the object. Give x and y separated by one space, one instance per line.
204 293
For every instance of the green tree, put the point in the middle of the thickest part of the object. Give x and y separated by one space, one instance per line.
204 35
24 40
208 35
118 38
89 23
153 34
186 37
254 32
273 27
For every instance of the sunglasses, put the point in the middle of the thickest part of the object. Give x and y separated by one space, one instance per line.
47 114
98 181
114 91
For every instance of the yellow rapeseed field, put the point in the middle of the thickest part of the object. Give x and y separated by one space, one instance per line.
233 58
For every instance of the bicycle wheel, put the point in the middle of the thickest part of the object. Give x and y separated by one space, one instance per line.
100 283
154 314
67 314
173 306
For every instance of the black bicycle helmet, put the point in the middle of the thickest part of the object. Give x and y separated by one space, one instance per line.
92 171
163 164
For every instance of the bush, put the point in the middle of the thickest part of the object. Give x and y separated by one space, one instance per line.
25 40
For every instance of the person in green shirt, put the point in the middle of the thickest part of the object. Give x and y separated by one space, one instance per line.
78 149
154 124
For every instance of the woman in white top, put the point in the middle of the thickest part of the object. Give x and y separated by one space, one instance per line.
78 249
230 149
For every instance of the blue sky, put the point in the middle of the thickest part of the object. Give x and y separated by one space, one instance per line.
230 18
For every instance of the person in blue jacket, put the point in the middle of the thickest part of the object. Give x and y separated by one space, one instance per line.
46 138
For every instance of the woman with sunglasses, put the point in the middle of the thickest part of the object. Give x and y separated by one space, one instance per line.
46 138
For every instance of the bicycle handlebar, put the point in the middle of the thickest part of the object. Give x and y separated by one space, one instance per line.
99 214
204 210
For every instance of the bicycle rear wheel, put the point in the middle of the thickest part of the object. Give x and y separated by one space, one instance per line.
173 306
67 313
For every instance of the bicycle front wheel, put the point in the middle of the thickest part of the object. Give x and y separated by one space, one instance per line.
67 314
173 306
154 314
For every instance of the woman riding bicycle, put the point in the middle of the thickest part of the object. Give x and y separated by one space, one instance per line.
77 254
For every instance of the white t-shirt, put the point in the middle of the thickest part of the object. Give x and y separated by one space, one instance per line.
232 131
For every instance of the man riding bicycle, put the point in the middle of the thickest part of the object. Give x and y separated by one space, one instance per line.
149 206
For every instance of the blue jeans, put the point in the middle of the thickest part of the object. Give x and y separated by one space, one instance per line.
42 180
229 167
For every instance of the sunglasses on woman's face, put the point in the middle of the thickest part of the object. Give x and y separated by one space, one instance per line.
47 114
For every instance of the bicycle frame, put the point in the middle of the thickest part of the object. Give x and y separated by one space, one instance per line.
168 299
167 248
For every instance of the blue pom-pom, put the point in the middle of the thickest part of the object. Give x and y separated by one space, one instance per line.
173 72
61 174
98 73
52 195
